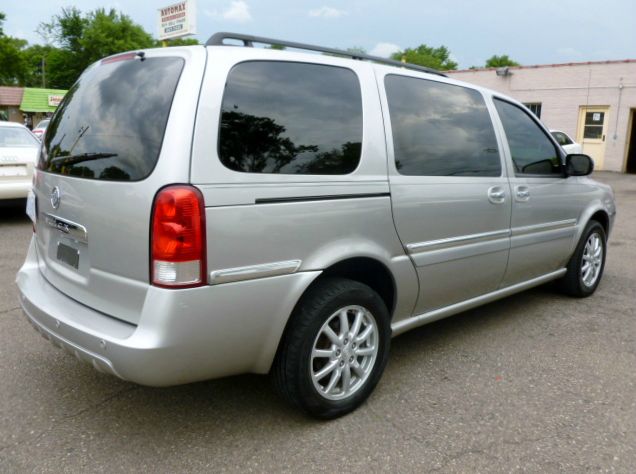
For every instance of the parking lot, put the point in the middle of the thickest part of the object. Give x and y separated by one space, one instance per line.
535 382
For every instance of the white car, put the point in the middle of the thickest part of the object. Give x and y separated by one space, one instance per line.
569 145
18 154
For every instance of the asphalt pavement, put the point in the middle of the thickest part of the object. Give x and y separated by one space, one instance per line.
537 382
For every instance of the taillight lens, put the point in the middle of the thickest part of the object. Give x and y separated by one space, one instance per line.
177 242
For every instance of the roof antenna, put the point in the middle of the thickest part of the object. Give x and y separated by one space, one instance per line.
142 55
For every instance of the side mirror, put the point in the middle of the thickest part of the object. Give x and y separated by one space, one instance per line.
578 165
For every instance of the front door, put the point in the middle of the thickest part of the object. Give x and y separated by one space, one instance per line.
592 132
546 204
449 191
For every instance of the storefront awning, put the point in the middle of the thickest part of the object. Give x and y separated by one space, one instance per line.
41 100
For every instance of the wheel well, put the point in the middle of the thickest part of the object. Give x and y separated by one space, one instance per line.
368 271
602 218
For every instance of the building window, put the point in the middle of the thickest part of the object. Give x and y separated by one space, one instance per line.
594 125
535 108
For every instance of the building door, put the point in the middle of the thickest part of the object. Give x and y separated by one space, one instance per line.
592 132
630 164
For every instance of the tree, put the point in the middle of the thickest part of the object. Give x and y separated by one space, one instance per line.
500 61
423 55
13 68
177 42
36 58
357 50
111 32
84 39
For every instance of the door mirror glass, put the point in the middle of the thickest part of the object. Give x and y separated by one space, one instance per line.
578 165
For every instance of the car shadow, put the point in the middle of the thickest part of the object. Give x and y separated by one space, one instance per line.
246 402
13 211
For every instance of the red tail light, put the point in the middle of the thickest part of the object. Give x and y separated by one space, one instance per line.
177 241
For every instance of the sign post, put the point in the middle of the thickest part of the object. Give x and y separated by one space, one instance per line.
177 20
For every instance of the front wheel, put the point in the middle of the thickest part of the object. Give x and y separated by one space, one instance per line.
335 348
585 268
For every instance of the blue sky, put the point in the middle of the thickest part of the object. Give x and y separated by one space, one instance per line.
531 31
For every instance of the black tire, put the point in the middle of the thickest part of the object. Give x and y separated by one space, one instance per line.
572 283
292 367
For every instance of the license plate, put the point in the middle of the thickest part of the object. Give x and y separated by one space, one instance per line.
31 207
13 171
68 255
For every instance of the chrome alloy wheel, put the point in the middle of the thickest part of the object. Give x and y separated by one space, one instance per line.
592 260
344 352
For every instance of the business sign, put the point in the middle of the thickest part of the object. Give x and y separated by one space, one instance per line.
54 100
177 20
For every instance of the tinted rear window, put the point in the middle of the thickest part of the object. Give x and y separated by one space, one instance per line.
291 118
16 137
111 123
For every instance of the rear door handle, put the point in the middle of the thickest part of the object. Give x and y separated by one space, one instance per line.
496 195
522 193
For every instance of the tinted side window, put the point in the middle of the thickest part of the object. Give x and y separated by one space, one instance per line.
561 138
291 118
440 129
532 151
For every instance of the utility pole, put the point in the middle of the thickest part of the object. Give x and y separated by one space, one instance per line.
43 72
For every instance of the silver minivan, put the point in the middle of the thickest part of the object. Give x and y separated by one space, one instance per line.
213 210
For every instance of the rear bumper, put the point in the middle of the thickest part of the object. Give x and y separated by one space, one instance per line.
14 189
183 335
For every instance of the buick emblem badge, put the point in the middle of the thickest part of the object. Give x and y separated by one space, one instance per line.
55 197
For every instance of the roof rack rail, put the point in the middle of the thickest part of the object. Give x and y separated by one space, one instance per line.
218 39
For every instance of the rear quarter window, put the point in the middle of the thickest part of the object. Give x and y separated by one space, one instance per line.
111 123
291 118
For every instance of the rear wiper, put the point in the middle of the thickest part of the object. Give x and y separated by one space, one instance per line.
59 161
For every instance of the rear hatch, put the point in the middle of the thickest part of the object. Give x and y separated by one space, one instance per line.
121 133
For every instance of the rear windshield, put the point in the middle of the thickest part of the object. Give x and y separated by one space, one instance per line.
16 137
111 123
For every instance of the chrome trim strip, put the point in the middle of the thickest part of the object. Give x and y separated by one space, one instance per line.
529 229
73 229
251 272
421 319
451 241
485 236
